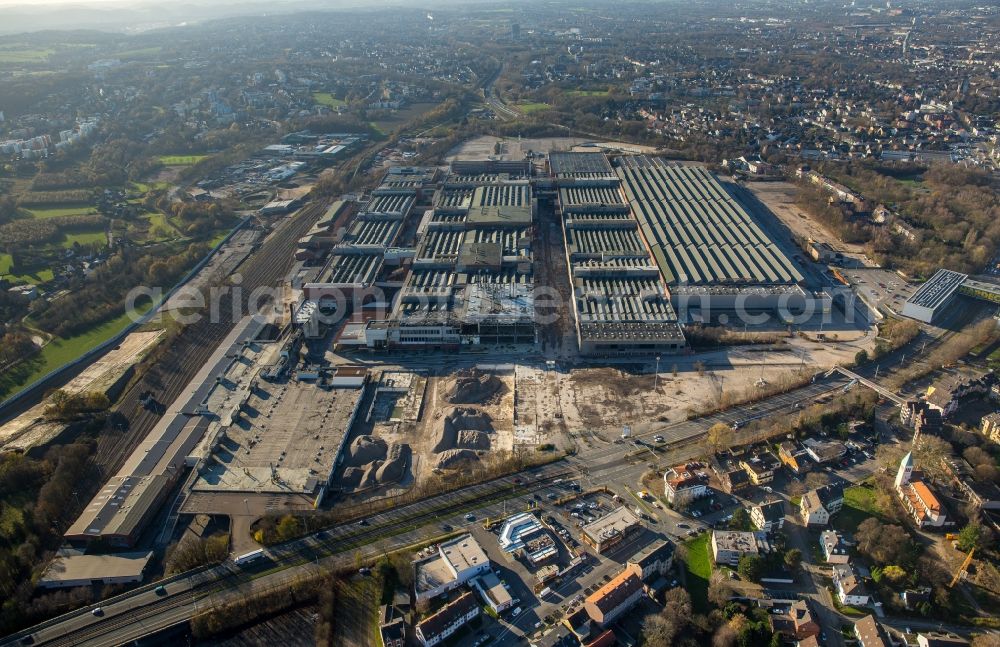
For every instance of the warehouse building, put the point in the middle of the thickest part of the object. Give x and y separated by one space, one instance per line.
710 253
620 304
119 512
66 571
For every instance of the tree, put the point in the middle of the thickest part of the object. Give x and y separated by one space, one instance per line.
719 589
657 631
719 436
884 543
750 567
816 480
677 608
893 573
725 636
793 559
986 640
740 520
973 535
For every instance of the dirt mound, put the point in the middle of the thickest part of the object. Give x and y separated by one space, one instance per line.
364 450
395 463
472 439
370 477
458 421
351 478
385 463
474 387
455 457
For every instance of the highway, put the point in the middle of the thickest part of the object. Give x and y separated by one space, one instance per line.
142 612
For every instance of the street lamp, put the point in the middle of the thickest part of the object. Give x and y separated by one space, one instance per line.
656 374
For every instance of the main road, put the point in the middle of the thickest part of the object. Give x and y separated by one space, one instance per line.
144 611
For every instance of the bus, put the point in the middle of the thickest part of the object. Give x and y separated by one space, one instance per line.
246 558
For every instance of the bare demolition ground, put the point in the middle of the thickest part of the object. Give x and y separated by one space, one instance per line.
103 376
780 198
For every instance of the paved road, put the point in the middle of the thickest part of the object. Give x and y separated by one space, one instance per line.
142 612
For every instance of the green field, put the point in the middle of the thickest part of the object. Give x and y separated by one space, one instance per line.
859 504
84 238
327 99
26 55
587 93
530 107
58 352
699 570
6 261
138 53
160 228
181 160
55 212
139 189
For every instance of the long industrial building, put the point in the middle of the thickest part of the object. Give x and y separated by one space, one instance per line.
120 510
620 304
710 252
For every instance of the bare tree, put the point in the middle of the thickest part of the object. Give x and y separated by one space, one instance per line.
719 589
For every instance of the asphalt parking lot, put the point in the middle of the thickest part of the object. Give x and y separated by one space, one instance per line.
881 287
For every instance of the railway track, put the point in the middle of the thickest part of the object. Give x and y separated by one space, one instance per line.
187 353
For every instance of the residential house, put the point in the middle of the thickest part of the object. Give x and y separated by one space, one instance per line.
818 505
682 485
797 624
760 468
833 548
917 497
946 393
921 417
654 560
579 623
991 426
794 457
729 545
391 626
913 598
735 481
870 633
619 595
850 588
447 620
768 516
984 495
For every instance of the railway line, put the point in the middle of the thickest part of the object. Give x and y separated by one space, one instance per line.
186 354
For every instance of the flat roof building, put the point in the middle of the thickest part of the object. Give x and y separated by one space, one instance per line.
86 570
456 562
931 297
611 529
120 510
729 545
